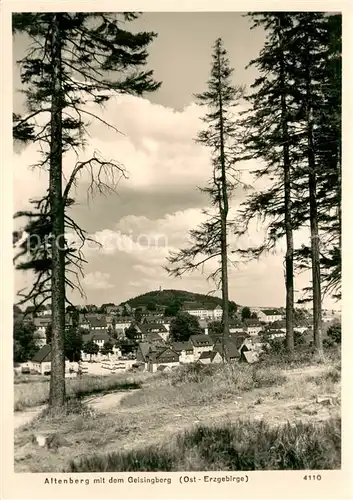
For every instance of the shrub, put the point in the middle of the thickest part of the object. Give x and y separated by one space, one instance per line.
334 334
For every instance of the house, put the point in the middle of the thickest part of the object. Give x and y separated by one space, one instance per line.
98 323
274 333
124 322
185 351
201 343
217 313
231 352
279 325
248 352
202 312
208 357
41 362
166 357
270 315
195 309
99 337
236 327
153 318
156 328
252 326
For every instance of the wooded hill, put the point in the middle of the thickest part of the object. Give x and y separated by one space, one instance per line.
169 298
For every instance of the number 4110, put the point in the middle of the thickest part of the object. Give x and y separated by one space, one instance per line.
316 477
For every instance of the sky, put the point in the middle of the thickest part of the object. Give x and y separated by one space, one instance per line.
159 202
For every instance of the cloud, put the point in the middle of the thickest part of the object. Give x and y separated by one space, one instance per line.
97 280
155 207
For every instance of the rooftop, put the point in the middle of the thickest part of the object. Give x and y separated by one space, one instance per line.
201 340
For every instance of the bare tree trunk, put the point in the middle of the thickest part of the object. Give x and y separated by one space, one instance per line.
224 207
57 379
315 254
287 215
314 229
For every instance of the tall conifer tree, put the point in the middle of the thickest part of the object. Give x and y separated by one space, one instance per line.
223 137
73 59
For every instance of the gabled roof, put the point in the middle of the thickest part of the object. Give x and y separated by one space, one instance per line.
201 340
44 354
145 348
252 322
100 335
164 356
149 327
98 322
230 349
182 346
97 335
272 312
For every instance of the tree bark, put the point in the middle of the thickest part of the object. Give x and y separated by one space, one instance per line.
314 229
224 207
289 274
315 252
57 379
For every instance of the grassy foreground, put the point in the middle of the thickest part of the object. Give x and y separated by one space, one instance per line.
242 446
27 395
197 417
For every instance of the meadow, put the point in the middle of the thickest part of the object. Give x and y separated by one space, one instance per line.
224 417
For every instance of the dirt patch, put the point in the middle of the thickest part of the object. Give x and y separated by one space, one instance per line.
107 402
22 418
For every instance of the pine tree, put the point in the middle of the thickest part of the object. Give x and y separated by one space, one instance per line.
270 139
320 161
327 137
311 184
67 66
222 137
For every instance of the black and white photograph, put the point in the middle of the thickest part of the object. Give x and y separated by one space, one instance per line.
176 244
